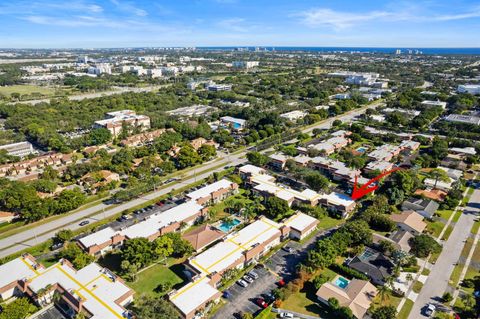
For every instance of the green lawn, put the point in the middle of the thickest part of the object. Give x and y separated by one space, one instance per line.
305 302
329 222
457 216
26 89
148 280
435 228
405 311
417 286
445 213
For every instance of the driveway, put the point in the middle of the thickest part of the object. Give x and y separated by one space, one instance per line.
437 281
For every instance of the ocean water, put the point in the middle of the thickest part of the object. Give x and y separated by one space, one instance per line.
440 51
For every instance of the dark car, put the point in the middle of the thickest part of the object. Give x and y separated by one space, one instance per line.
227 295
84 223
261 303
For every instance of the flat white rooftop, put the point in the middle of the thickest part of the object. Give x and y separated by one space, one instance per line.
207 190
98 287
300 221
194 294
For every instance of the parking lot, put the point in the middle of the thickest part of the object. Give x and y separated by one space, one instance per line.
282 265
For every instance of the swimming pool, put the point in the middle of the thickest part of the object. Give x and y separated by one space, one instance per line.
228 226
361 149
341 282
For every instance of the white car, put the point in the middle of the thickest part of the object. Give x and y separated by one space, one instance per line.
286 315
242 283
247 279
430 309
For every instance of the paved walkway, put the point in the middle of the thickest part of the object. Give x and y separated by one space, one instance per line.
437 282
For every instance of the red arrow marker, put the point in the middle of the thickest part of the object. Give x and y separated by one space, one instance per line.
359 192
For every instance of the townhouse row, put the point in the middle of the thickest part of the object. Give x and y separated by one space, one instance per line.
161 223
92 290
235 251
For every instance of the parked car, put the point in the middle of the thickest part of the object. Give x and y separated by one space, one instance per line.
430 309
242 283
84 223
286 315
281 283
253 274
227 295
56 246
269 297
261 303
248 279
287 249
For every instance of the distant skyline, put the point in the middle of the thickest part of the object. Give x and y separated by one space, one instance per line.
200 23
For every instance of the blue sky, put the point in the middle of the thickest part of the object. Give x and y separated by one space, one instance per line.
122 23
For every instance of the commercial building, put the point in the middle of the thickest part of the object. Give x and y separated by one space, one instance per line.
355 294
443 105
469 88
245 64
20 149
294 115
101 68
92 290
466 119
219 87
115 120
236 251
194 110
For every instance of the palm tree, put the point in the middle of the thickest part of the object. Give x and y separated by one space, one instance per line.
383 292
409 277
438 175
249 213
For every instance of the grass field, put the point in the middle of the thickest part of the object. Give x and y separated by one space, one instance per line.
405 311
149 279
26 89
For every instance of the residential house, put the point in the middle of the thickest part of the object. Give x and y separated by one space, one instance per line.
355 294
425 207
410 221
373 264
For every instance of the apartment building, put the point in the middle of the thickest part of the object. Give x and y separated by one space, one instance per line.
144 138
114 121
94 291
213 193
469 88
236 251
152 227
301 225
233 123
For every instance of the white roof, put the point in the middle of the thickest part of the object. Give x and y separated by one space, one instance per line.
224 254
96 286
439 184
300 221
16 269
465 150
98 237
266 183
451 172
191 296
323 146
207 190
338 199
251 169
233 120
380 165
157 221
278 157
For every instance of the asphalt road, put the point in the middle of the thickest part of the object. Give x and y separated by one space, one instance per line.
41 233
437 281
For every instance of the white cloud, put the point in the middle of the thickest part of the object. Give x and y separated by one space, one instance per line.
129 8
233 24
318 17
